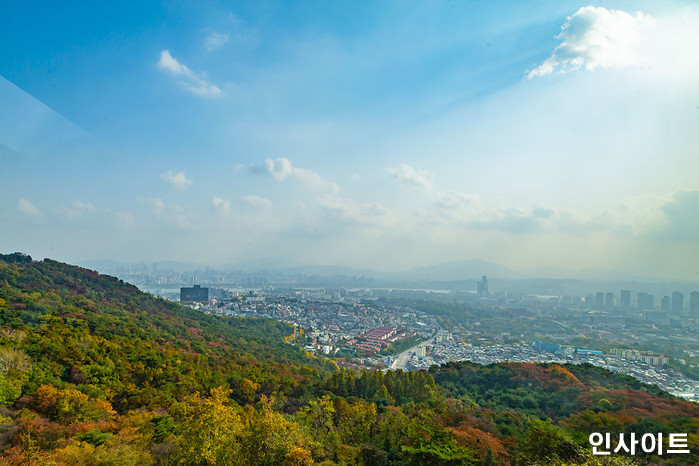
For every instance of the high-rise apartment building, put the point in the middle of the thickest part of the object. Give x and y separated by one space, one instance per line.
694 304
625 301
196 294
645 301
665 304
677 305
599 300
609 300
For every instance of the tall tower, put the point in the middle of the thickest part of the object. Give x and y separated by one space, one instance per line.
482 286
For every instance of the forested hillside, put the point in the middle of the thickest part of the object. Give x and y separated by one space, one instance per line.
92 371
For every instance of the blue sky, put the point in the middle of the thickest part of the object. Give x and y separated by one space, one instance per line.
368 134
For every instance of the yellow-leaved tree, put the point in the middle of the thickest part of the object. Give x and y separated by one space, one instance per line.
211 429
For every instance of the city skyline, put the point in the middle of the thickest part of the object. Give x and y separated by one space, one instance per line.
561 135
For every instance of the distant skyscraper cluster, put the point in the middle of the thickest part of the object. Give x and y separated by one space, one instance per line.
673 304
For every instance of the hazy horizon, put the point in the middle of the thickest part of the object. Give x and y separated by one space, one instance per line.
365 135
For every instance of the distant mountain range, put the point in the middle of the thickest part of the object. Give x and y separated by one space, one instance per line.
472 269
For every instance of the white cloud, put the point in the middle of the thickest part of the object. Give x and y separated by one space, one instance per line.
408 176
83 206
215 40
595 37
123 219
525 220
221 205
347 209
455 200
681 213
666 218
158 205
312 178
179 180
76 210
27 208
169 63
282 168
456 208
257 202
196 83
169 212
671 216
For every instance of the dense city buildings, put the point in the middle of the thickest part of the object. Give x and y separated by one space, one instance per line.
367 326
635 355
359 327
550 347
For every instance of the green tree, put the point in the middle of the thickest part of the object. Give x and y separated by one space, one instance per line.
10 390
544 440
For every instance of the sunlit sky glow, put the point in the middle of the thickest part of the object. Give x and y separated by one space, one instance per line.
369 134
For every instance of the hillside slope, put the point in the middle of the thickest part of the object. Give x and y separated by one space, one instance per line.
95 330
